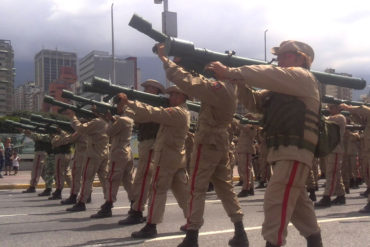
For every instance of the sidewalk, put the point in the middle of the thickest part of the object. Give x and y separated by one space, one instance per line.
22 181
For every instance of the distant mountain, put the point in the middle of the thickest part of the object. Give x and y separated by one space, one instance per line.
151 68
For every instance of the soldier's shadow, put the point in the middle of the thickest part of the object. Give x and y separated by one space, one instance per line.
126 241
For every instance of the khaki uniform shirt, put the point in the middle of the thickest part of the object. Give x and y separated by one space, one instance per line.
246 139
120 134
174 125
78 139
218 105
294 81
340 120
96 133
364 111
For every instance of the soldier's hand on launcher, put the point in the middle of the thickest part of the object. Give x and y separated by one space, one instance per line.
218 69
162 52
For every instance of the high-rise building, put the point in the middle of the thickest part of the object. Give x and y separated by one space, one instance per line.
48 64
7 73
24 96
100 63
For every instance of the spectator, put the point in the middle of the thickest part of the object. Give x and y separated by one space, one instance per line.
16 160
8 153
1 158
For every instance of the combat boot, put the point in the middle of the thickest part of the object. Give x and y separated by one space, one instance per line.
240 183
104 212
340 200
57 195
30 189
210 187
240 238
131 209
243 193
184 228
190 240
268 244
314 240
251 191
148 231
261 185
72 199
347 190
366 209
312 195
88 199
365 193
78 207
323 203
136 217
46 192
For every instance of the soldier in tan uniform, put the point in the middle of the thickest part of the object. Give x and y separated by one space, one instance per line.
245 149
363 111
291 109
334 180
210 157
80 142
62 152
120 167
42 148
96 158
169 158
146 133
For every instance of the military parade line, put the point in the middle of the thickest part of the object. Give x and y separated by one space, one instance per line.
286 141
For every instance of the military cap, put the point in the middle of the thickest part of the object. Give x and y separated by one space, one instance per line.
154 83
295 46
176 89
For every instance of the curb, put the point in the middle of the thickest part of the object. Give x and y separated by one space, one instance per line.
42 186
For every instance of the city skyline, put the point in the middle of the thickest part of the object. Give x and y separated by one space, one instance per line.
335 29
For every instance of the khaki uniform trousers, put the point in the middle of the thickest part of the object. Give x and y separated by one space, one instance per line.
92 166
264 167
312 179
366 170
285 201
245 170
76 171
333 173
166 178
348 169
144 174
210 165
37 167
62 170
120 170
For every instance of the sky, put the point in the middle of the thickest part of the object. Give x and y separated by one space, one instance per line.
337 30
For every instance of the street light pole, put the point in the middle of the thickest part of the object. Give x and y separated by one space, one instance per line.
265 43
113 60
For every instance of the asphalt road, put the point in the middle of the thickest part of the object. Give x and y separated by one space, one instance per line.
29 220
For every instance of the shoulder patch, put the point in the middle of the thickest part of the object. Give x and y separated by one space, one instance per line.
216 85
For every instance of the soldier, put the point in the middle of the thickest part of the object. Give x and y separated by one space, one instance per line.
246 150
120 165
169 158
210 157
291 109
333 173
363 111
42 148
80 142
96 158
146 133
62 158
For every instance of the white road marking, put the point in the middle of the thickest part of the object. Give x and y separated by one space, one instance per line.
250 229
11 215
169 204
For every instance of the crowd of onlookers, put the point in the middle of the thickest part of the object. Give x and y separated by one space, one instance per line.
9 158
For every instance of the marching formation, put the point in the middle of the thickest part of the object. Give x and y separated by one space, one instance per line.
276 143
